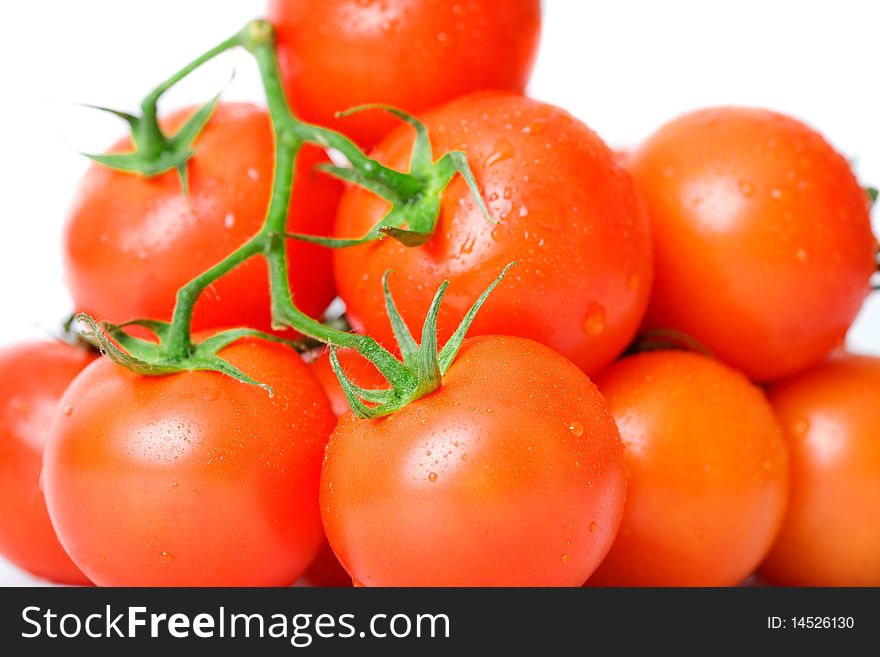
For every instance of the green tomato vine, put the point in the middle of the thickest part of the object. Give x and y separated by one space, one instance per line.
414 196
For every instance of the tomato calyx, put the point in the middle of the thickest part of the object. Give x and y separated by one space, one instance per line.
151 357
662 339
414 212
423 364
154 151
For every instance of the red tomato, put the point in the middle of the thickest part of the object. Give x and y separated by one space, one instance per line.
359 370
192 479
510 474
33 377
831 419
763 245
132 241
707 472
413 54
569 215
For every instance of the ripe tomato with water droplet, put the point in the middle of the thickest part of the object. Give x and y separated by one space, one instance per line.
762 238
152 482
582 246
707 472
830 416
335 54
131 242
536 502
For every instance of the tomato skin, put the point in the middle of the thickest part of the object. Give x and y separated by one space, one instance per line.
33 377
357 368
569 216
763 244
412 54
511 474
707 472
830 416
130 242
192 479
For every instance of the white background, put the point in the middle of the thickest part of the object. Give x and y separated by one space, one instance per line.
624 67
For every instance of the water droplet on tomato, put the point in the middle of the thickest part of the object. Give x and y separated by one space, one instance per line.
566 558
593 527
801 255
776 194
229 220
594 320
503 151
745 188
800 427
432 477
576 428
166 557
536 127
68 410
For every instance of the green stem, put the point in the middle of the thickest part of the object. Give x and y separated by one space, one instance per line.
271 241
258 38
149 137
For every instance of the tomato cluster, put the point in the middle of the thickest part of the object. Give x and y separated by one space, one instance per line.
739 234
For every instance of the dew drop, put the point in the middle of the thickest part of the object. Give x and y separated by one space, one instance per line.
68 410
166 557
594 320
800 427
432 477
576 428
536 127
229 220
503 151
566 558
745 188
776 194
801 255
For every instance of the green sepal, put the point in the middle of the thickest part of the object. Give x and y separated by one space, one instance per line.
357 406
148 357
423 365
413 216
872 193
408 347
156 153
450 349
